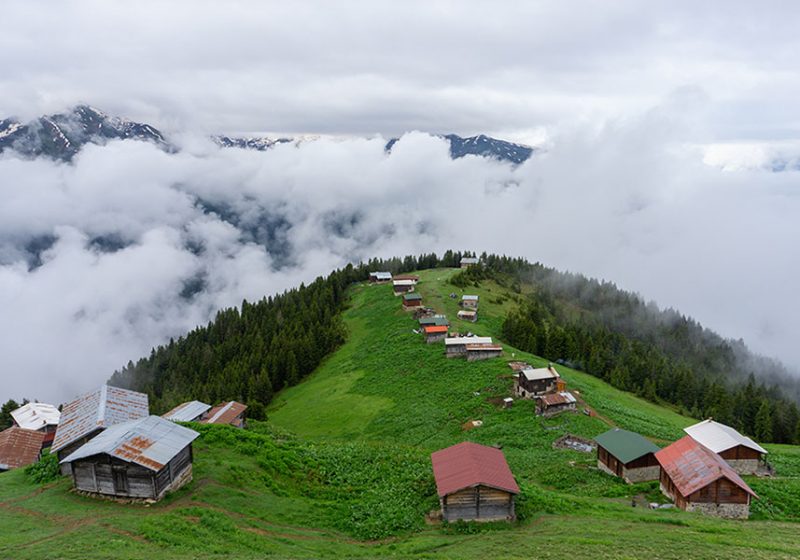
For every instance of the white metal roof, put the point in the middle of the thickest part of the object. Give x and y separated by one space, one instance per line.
456 340
187 411
469 298
719 437
35 416
469 260
540 373
404 282
381 275
150 442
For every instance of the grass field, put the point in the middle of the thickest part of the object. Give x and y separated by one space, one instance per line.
341 468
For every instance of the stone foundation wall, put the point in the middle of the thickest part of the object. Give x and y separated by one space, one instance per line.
641 474
728 511
744 466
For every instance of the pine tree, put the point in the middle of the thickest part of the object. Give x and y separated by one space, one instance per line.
5 413
763 427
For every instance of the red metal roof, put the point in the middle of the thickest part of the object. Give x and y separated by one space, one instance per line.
225 413
555 399
691 466
435 329
469 464
19 447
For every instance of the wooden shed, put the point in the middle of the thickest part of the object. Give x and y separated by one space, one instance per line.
412 301
140 459
231 413
483 351
698 479
380 277
627 455
467 262
531 382
465 315
555 403
469 302
456 346
743 454
403 286
434 333
19 447
474 483
192 411
88 415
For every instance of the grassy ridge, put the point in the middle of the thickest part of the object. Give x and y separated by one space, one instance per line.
342 468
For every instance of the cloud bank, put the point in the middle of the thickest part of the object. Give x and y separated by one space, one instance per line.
127 246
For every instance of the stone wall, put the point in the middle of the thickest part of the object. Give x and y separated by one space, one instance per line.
728 511
641 474
744 466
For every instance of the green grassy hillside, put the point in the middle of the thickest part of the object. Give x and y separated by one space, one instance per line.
341 468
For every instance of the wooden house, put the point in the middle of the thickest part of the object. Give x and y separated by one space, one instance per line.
140 459
627 455
20 447
412 301
469 302
698 479
474 483
192 411
483 351
407 278
380 277
456 346
741 452
88 415
231 413
403 286
471 316
434 333
39 417
467 262
532 382
555 403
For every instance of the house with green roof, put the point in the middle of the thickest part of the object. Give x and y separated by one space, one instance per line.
627 455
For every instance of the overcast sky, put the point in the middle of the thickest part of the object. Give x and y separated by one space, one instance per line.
626 100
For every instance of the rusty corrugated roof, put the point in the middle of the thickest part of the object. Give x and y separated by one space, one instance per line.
101 408
225 413
151 442
692 466
19 447
554 399
469 464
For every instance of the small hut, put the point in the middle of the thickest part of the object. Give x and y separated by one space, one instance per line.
20 447
471 316
380 277
403 286
90 414
483 351
474 483
467 262
555 403
434 333
469 302
39 417
456 346
532 382
743 454
231 413
192 411
141 459
698 479
412 301
627 455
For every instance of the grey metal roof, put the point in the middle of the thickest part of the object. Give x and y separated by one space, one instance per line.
381 275
537 374
101 408
469 260
150 442
719 437
187 411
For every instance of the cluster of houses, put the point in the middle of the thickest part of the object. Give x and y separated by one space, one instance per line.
110 445
545 387
699 472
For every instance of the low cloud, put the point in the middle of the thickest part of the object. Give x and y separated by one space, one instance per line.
128 246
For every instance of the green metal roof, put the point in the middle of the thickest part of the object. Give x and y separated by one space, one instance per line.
624 445
412 296
438 321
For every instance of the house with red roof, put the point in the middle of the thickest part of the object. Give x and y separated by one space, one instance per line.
435 333
474 483
19 447
230 412
698 479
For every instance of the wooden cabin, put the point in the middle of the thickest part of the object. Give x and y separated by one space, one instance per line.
434 333
192 411
88 415
483 351
698 479
141 459
471 316
403 286
532 382
230 413
412 301
39 417
474 483
380 277
456 346
743 454
20 447
467 262
469 302
407 277
555 403
627 455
